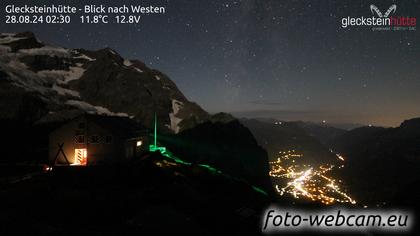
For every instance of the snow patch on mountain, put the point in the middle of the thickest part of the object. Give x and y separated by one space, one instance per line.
64 76
74 74
24 78
8 38
83 56
64 91
89 108
47 50
127 62
176 106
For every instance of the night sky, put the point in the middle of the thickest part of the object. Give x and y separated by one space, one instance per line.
267 58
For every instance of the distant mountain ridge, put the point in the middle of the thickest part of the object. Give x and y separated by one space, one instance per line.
43 82
276 136
382 142
383 162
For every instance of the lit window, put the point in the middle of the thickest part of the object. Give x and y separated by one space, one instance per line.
80 157
139 143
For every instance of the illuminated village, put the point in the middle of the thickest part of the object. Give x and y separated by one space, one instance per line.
306 181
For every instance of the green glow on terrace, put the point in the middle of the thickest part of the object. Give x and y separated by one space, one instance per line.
155 148
210 168
165 152
155 131
259 190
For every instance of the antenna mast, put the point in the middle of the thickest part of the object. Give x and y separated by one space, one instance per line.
155 131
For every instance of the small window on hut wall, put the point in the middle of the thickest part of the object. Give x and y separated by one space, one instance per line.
94 139
108 139
79 139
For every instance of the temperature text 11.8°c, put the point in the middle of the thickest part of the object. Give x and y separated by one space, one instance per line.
105 19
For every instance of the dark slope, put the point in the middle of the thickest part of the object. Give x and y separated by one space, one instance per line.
225 144
383 164
283 136
150 196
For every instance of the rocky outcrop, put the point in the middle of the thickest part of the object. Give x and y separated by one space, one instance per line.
99 82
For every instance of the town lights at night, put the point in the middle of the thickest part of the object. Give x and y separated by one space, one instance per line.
305 181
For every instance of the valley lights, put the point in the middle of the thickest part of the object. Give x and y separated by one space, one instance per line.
306 181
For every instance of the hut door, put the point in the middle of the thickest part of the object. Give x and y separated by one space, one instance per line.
80 156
